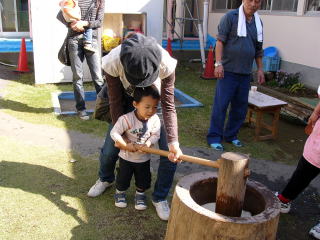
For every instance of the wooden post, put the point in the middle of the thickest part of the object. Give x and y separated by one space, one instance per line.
258 123
231 184
275 123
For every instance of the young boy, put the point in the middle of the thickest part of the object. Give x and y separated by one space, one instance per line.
71 12
140 127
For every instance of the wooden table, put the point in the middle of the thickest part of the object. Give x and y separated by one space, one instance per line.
259 104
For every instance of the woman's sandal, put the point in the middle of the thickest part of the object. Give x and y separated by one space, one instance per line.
217 146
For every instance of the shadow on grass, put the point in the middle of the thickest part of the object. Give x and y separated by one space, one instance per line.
21 107
103 220
37 179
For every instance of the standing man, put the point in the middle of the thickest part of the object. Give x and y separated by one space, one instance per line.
92 12
239 42
140 62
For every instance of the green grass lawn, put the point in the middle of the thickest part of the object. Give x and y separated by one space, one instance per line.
32 103
43 196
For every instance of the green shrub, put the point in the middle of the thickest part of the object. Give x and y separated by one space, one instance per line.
296 87
287 80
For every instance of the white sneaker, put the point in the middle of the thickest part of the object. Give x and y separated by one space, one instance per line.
162 209
83 115
98 188
284 207
315 231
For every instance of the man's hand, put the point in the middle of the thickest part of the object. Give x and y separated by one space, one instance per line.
260 76
78 26
219 72
175 153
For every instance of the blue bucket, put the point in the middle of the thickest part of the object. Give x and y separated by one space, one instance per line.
271 52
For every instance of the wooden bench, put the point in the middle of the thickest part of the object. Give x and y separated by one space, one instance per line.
259 104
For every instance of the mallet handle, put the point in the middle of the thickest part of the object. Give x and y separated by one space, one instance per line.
185 158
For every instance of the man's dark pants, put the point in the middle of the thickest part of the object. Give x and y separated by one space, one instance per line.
233 89
77 55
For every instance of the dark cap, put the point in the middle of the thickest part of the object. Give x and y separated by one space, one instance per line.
140 57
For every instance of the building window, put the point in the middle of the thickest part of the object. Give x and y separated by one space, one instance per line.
269 5
226 4
14 16
313 5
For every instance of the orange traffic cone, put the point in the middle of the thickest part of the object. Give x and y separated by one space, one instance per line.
23 59
209 69
169 47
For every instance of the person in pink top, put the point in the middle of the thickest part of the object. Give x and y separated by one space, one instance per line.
308 168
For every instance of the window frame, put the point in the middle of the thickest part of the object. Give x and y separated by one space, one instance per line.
16 33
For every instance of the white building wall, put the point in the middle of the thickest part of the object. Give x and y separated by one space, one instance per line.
153 8
49 33
296 37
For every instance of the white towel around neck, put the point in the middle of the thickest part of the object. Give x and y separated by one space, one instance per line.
242 29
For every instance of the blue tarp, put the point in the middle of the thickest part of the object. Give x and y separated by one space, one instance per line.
14 45
190 44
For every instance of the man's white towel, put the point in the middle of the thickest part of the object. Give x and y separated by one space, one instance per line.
242 29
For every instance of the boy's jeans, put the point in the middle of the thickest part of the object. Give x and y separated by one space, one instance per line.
87 36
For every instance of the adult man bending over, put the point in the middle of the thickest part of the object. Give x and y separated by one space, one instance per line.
140 62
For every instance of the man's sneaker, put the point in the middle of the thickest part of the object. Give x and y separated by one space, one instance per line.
140 201
284 207
83 115
120 200
315 231
162 209
98 188
89 48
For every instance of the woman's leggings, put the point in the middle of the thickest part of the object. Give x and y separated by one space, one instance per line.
300 179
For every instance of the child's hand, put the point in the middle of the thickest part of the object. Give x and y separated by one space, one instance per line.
139 146
118 145
131 147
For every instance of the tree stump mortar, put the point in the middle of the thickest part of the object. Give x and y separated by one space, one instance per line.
189 221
